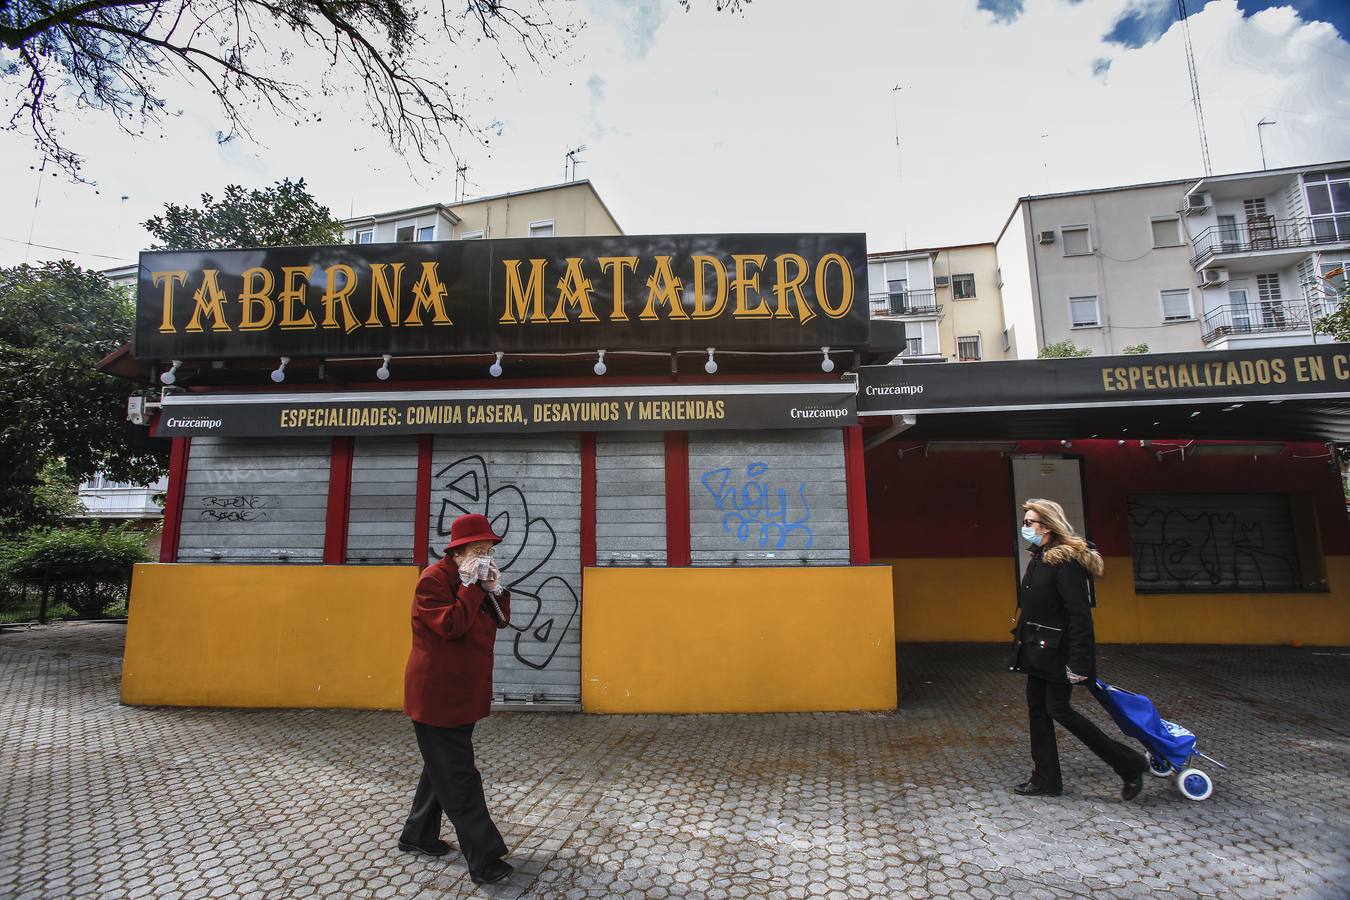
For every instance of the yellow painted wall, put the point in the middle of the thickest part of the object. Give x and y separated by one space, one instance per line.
744 639
974 600
276 636
574 208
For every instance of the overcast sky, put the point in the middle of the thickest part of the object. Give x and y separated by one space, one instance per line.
783 118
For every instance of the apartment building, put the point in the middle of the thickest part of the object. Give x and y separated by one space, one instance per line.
560 210
948 299
1226 261
1106 269
1270 251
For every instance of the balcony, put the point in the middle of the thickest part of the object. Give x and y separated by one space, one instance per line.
1266 233
1259 318
906 303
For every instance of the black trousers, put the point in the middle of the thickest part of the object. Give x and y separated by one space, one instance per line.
450 783
1048 703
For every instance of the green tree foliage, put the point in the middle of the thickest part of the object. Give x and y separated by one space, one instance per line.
1337 322
284 214
1135 349
56 322
1063 350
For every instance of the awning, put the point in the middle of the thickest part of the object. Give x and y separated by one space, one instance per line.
1284 393
519 410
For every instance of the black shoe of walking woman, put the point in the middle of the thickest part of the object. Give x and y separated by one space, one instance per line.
1031 789
435 848
1132 786
493 872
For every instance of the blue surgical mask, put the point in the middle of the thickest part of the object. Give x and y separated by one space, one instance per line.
1030 536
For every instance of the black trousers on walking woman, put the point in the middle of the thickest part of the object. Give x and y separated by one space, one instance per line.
451 784
1048 703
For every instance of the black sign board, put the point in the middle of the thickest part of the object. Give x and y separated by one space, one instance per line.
786 291
520 411
1311 371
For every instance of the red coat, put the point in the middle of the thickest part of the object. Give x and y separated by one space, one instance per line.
448 681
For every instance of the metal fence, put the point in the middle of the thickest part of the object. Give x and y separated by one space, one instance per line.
64 594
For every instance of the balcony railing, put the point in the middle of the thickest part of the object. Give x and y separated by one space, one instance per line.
1258 318
1269 233
906 303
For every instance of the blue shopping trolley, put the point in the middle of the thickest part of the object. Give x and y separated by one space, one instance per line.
1171 748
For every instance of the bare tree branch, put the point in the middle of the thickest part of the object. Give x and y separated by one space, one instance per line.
119 56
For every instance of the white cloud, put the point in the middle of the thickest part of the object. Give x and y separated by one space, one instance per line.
779 119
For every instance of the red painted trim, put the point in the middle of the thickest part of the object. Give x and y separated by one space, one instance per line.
422 513
677 498
855 476
339 501
588 498
173 499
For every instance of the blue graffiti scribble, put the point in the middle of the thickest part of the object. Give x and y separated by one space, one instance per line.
755 505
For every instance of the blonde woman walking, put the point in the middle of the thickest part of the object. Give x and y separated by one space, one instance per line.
1057 650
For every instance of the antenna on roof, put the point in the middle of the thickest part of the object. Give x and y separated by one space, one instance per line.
1195 85
461 181
899 160
572 161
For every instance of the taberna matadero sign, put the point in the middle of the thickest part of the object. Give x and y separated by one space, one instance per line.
1305 372
636 408
788 291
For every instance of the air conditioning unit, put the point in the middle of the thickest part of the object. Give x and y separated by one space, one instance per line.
1213 277
1047 237
1197 203
941 281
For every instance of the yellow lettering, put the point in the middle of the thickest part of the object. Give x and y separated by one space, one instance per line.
210 299
257 292
574 289
292 293
618 264
523 304
168 280
701 310
785 286
1340 364
1277 368
428 294
337 298
382 293
663 288
840 309
744 283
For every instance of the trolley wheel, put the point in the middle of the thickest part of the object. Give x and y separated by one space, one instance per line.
1158 766
1194 784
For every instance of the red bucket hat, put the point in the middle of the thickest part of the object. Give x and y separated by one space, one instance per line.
470 529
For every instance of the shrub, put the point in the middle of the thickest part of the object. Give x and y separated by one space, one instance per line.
86 567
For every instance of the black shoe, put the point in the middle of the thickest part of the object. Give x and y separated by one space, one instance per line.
493 872
436 848
1031 789
1132 786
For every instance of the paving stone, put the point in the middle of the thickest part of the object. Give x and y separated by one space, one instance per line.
307 803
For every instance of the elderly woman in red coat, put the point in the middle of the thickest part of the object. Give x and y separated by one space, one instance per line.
457 610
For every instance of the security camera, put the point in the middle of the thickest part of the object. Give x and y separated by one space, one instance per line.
136 410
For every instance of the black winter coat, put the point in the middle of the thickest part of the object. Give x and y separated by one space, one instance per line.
1055 591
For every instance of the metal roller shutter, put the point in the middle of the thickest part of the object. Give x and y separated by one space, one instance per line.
768 498
383 501
1213 542
530 489
250 501
630 500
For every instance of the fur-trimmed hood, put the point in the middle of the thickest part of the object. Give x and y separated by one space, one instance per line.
1088 558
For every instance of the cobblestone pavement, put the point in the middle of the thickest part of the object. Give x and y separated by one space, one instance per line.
98 799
